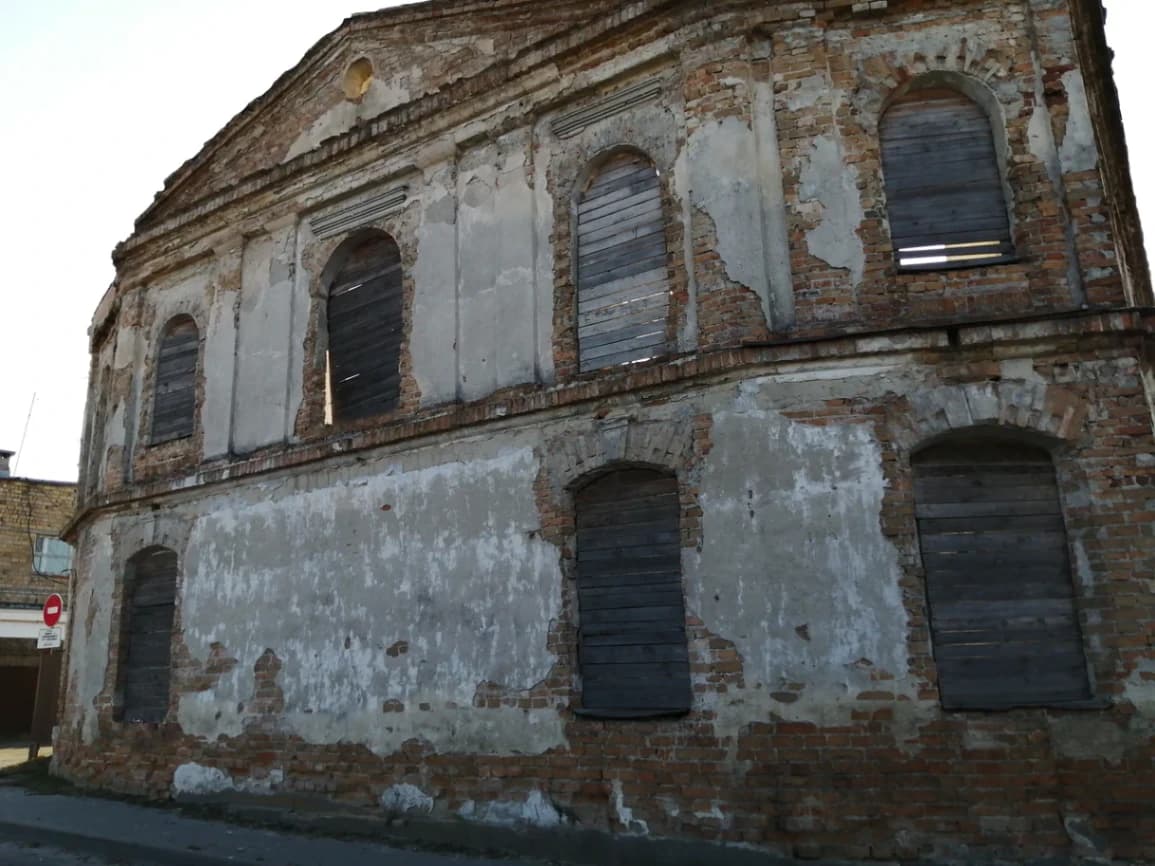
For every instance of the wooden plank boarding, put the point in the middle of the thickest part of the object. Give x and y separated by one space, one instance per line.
1003 620
146 671
943 181
174 390
632 640
365 330
623 292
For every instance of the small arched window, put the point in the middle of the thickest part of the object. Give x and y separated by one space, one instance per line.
623 283
145 673
944 187
174 396
998 576
364 319
632 637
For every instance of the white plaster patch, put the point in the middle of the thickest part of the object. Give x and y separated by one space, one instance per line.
535 811
721 160
832 183
624 814
406 800
1078 151
197 780
332 569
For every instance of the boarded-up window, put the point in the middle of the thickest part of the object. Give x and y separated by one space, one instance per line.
944 189
633 656
623 293
144 676
174 397
365 331
1002 606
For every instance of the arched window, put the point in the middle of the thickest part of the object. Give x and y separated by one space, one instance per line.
150 602
365 329
632 653
174 396
944 187
998 578
623 284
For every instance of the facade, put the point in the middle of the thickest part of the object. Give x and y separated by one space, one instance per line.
34 563
721 421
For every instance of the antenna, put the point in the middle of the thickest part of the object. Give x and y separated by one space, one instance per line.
24 435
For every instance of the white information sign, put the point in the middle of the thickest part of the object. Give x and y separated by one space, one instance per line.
50 638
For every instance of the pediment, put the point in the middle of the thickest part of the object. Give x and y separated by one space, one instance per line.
372 63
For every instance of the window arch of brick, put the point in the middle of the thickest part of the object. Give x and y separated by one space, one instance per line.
1003 618
174 389
146 654
623 280
943 165
632 651
364 328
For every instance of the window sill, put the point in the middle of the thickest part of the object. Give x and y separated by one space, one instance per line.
626 715
995 707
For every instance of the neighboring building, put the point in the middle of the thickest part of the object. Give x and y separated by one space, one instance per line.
726 421
34 563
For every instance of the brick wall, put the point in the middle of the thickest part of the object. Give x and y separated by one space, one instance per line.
28 509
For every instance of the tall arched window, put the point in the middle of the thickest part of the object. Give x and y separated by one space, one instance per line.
174 395
998 578
150 603
364 320
944 187
632 653
623 283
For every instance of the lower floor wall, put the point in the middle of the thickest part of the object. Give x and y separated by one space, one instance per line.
400 629
1023 785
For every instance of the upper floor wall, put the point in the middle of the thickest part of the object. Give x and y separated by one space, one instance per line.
750 147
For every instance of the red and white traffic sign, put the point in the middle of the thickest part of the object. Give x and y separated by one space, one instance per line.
53 608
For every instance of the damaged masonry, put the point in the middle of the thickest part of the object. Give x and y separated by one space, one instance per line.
726 422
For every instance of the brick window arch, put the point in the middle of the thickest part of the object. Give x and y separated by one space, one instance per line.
1003 619
623 281
945 196
632 653
146 656
364 329
174 391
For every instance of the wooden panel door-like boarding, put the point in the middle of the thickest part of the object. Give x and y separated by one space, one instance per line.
1002 604
148 655
633 656
623 293
174 395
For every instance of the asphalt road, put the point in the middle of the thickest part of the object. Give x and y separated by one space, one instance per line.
16 854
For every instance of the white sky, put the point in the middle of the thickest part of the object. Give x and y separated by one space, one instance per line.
100 100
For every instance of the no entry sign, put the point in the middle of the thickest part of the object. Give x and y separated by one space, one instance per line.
52 609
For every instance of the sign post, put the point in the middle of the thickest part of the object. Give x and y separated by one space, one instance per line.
48 682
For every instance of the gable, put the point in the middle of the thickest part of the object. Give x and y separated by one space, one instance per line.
409 52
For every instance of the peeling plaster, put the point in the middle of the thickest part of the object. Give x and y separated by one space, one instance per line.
796 539
452 567
535 811
723 184
1078 151
624 814
406 800
827 179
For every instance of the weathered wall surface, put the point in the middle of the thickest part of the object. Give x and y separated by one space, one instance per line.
30 508
426 636
384 612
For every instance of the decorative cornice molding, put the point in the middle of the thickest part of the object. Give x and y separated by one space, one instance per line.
360 213
573 122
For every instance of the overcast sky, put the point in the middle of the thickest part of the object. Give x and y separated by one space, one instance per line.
100 100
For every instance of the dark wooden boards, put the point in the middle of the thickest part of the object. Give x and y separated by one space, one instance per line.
365 330
1002 603
633 656
623 293
174 392
148 634
943 183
